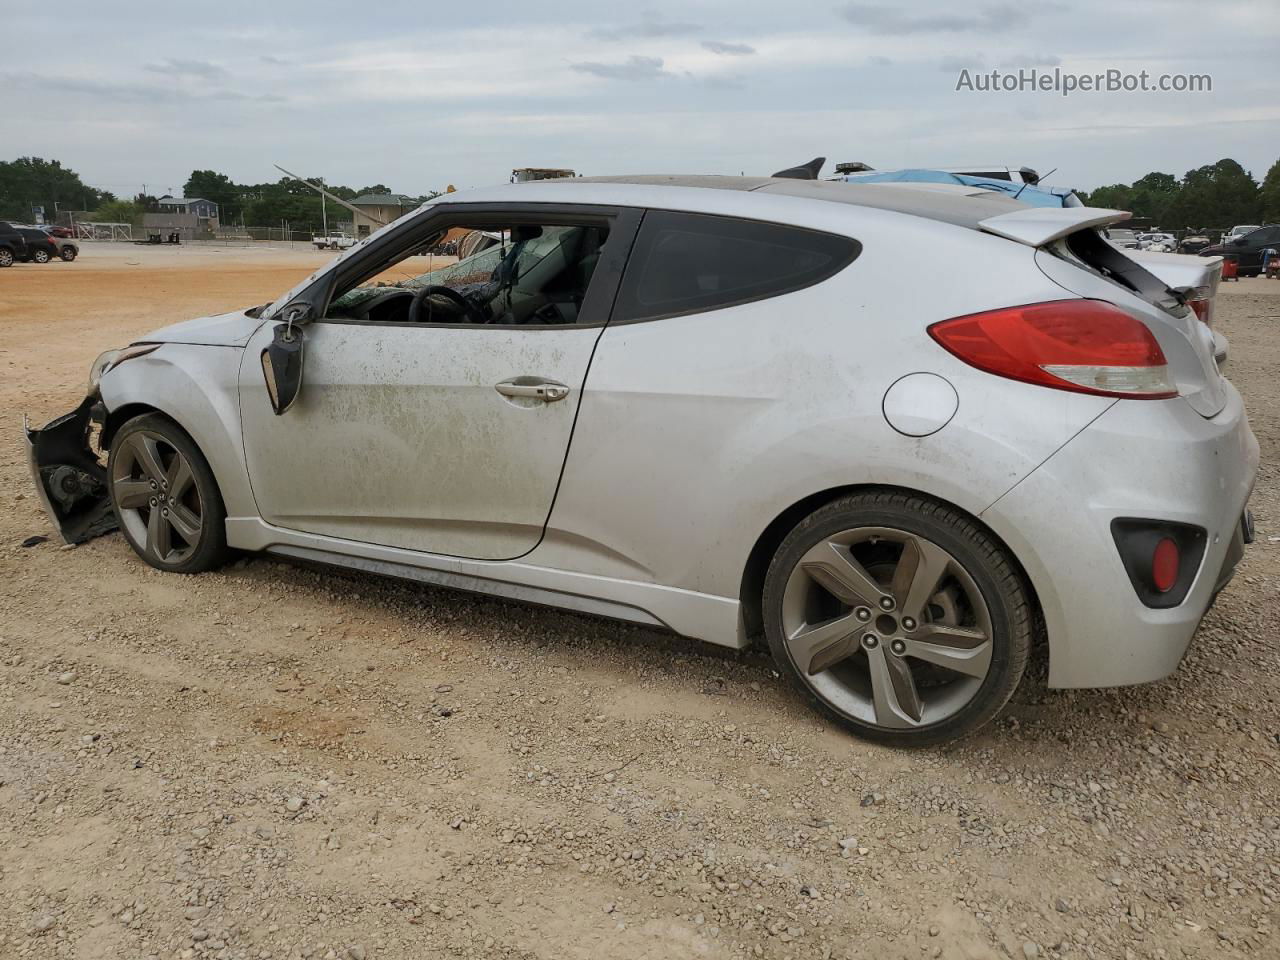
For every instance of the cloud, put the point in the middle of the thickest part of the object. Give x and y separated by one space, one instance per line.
956 64
274 61
202 69
895 21
728 49
1032 60
633 68
651 27
879 61
128 92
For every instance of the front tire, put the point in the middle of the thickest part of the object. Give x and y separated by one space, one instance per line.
165 496
898 617
6 257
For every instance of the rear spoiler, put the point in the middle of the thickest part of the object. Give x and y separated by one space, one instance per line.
1038 226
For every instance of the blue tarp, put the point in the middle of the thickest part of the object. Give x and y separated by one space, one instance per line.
1035 196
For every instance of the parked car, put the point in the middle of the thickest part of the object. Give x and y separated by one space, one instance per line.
62 233
1241 230
1125 239
898 486
1193 244
1247 250
1157 242
41 248
13 246
334 241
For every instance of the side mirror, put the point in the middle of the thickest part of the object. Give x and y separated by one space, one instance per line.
1238 241
282 366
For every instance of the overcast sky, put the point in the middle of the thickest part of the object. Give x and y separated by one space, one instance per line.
420 95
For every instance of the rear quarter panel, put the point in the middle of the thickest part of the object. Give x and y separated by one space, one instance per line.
697 431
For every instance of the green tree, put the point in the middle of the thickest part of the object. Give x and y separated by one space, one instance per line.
33 181
218 187
118 211
1269 195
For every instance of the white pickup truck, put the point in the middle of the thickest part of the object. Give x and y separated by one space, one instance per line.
334 241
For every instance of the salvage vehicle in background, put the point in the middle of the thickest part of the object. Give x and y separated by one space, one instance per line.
13 246
334 241
1248 250
42 248
1157 242
723 406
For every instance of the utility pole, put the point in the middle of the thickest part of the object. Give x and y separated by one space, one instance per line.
325 193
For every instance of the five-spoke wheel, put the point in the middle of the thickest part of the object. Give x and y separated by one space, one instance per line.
165 497
899 615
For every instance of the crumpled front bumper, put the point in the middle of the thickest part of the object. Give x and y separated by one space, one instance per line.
69 475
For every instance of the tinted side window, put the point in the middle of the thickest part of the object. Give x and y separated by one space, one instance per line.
691 262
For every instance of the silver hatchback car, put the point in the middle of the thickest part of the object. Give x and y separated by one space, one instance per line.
735 408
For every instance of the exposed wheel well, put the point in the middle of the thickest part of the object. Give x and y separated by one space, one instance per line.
766 545
118 417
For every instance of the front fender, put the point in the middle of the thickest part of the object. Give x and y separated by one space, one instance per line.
196 387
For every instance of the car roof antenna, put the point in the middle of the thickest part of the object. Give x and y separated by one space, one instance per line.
806 171
1039 180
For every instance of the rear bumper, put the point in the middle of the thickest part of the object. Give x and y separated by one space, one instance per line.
1150 459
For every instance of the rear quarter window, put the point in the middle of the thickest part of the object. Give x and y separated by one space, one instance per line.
690 263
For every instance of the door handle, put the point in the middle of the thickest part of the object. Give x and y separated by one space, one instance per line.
536 388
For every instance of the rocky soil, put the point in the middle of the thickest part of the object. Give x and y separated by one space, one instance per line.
276 762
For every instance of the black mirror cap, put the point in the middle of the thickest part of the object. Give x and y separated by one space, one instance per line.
282 367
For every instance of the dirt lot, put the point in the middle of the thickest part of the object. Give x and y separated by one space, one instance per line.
270 762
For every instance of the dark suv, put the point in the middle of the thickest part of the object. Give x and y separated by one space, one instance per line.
12 245
1247 250
41 248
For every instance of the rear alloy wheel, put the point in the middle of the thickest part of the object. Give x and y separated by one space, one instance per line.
67 254
165 497
899 617
6 257
40 256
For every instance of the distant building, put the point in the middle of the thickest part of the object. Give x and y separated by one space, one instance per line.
194 206
379 209
192 218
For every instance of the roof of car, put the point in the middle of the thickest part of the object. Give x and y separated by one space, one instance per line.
959 208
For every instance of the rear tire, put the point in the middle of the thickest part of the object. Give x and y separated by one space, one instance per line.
40 256
165 496
6 257
898 617
67 254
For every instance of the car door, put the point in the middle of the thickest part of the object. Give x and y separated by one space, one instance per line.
1255 243
442 438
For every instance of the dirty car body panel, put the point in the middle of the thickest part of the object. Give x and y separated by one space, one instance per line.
683 438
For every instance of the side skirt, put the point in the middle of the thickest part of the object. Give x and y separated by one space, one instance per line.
698 615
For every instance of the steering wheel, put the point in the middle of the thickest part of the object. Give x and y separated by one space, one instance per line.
474 313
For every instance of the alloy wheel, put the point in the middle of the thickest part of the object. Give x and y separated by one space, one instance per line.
40 256
6 258
157 498
887 627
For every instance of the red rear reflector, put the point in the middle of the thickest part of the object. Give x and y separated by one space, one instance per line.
1088 346
1164 565
1203 310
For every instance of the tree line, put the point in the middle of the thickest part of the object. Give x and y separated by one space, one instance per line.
33 181
1215 196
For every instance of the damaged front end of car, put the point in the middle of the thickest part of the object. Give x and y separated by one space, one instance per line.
70 474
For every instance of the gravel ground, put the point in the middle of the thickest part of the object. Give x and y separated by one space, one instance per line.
275 762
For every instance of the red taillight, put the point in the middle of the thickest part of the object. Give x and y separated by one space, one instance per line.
1088 346
1164 564
1203 310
